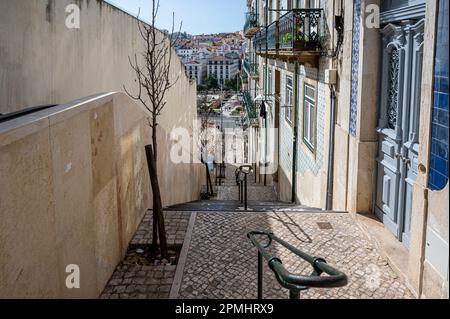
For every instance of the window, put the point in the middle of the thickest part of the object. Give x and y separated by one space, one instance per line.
289 100
394 75
309 116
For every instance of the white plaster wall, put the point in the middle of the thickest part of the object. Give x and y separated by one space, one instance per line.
44 62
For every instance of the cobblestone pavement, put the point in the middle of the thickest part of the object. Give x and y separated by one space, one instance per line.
222 263
175 223
254 193
134 280
230 191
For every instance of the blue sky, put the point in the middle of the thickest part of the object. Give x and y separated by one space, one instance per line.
198 16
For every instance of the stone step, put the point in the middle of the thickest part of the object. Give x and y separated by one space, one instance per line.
236 206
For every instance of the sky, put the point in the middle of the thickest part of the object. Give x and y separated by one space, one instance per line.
198 16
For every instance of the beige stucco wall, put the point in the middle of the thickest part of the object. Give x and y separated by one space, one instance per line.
430 208
435 272
44 62
74 183
74 187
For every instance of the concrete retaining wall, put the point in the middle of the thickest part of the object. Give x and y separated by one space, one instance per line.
75 186
74 179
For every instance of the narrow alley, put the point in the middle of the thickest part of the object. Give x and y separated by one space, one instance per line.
218 261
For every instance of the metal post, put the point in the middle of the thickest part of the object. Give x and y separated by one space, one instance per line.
242 192
239 190
260 275
245 192
294 294
207 182
216 166
294 145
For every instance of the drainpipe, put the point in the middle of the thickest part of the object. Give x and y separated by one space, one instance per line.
266 18
330 175
294 146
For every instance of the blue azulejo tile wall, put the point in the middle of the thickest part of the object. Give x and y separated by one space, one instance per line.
355 66
440 125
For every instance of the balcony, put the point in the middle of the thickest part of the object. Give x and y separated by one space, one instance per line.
251 24
251 68
297 35
250 108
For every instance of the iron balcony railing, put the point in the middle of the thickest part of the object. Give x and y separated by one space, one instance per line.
296 31
251 24
259 41
249 106
251 67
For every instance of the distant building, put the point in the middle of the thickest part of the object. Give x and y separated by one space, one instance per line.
186 52
196 70
223 68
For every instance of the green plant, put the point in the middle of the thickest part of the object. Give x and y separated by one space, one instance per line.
287 38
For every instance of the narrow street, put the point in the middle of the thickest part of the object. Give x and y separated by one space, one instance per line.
248 149
218 261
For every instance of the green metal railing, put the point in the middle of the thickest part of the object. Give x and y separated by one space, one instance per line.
251 67
242 182
249 106
251 22
294 283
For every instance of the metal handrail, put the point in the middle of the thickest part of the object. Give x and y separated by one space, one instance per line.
209 186
295 283
297 30
241 181
27 111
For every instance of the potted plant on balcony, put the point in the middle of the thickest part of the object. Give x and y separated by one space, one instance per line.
286 39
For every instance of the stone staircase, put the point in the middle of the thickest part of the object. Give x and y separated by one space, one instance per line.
260 198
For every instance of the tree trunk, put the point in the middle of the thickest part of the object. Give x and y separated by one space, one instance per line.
157 208
155 212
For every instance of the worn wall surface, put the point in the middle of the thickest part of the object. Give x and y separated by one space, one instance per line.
75 186
44 62
74 179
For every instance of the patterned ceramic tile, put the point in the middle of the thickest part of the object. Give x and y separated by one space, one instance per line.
355 67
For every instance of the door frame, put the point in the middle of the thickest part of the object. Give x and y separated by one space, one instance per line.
409 42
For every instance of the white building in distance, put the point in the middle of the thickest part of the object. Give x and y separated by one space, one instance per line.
196 70
223 68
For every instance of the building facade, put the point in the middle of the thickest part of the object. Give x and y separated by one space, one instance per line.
347 111
196 70
223 69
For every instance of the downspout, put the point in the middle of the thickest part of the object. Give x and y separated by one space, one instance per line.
331 146
266 18
294 144
295 135
330 175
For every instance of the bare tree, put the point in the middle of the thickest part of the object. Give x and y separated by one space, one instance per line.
153 76
205 110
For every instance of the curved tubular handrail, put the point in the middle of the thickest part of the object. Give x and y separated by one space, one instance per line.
291 281
30 110
247 166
